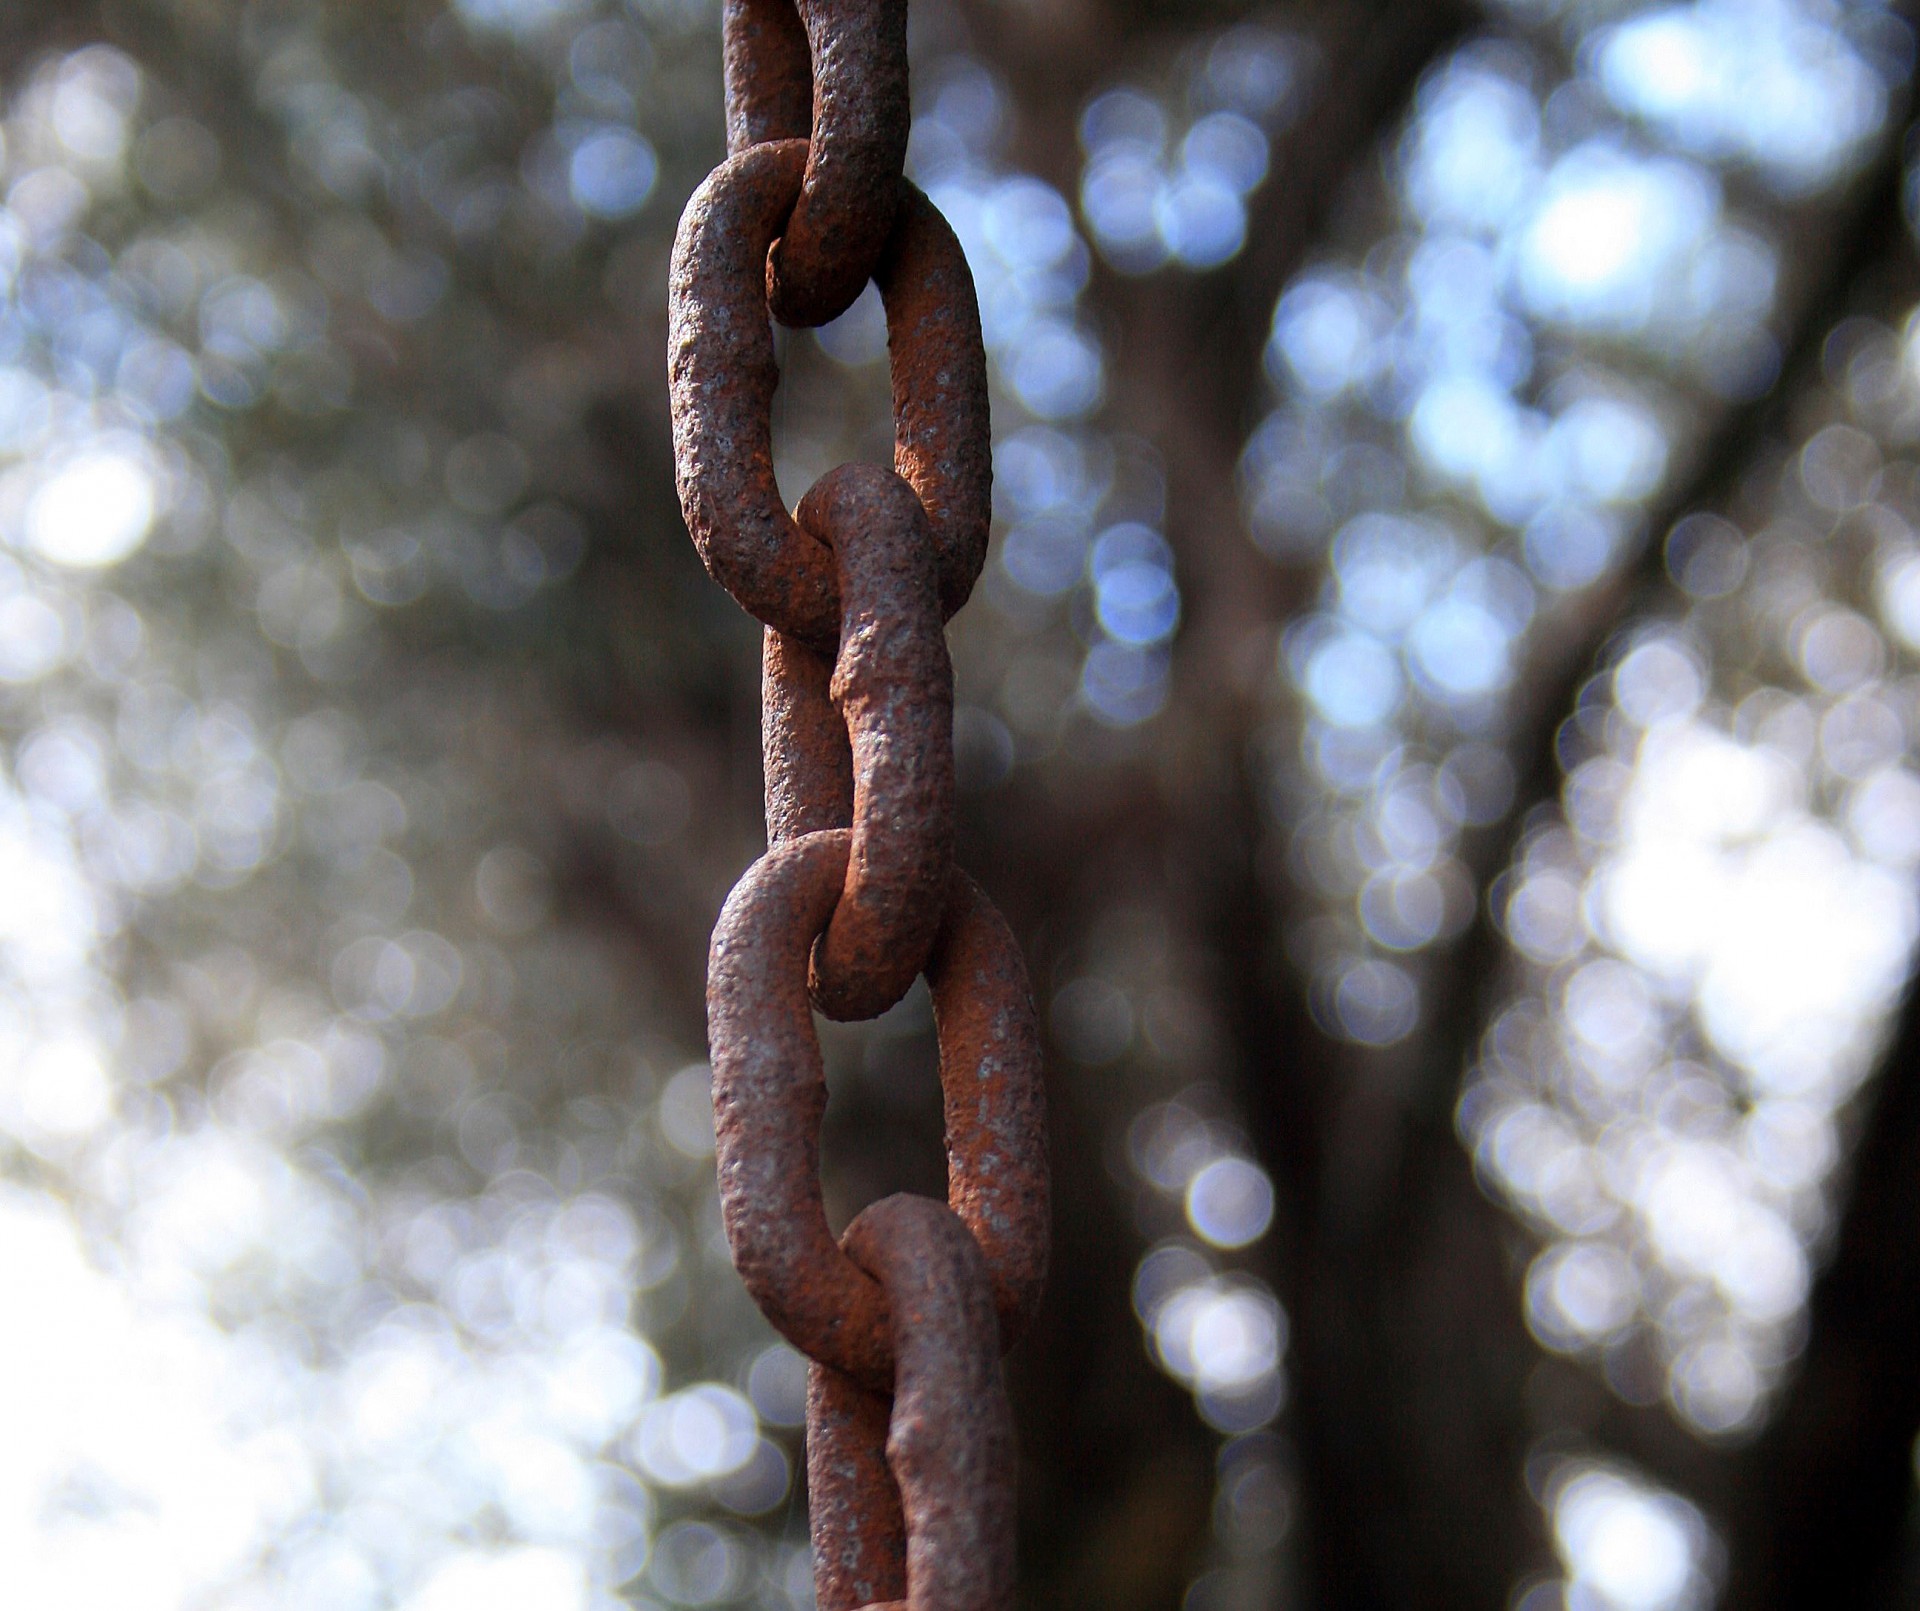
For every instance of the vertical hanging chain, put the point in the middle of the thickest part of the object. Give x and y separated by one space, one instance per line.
905 1318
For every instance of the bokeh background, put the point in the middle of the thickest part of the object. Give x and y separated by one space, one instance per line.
1440 713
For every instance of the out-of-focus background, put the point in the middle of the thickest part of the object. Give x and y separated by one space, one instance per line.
1440 713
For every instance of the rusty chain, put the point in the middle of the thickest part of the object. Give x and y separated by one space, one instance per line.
905 1318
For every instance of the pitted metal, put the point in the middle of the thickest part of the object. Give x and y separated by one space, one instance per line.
805 753
832 72
722 375
768 73
859 1523
911 1507
893 687
950 1437
770 1090
906 1316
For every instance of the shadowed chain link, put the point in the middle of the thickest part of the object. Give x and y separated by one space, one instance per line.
905 1317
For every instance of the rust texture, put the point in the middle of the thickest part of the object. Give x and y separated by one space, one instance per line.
942 439
722 375
996 1118
769 76
770 1090
833 72
995 1108
858 148
909 1435
893 686
859 1527
721 378
910 1500
950 1438
804 750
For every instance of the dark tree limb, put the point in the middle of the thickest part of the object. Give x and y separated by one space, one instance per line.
1828 1484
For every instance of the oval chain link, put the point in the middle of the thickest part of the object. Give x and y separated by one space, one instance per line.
909 1437
832 72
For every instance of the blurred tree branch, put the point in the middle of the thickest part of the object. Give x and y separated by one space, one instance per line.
1822 1516
1417 1390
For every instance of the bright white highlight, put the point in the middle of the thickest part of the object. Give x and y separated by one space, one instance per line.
1230 1202
1628 1546
1759 82
94 510
1610 232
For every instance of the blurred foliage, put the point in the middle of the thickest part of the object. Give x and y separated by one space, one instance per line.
1440 713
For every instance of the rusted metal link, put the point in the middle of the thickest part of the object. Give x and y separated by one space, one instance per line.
909 1437
995 1104
869 745
989 1046
805 754
833 72
859 1528
948 1439
722 377
768 72
942 433
893 686
769 1091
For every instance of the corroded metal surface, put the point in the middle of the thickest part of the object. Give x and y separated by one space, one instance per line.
833 72
950 1438
909 1438
942 438
859 1527
858 148
804 749
770 1090
893 687
996 1118
910 1500
769 74
722 376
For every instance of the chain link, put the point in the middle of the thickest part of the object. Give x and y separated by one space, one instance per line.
909 1435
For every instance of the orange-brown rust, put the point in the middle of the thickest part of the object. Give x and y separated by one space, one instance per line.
950 1436
909 1438
942 436
893 687
769 1092
833 72
996 1118
859 1530
857 151
804 753
769 73
722 376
